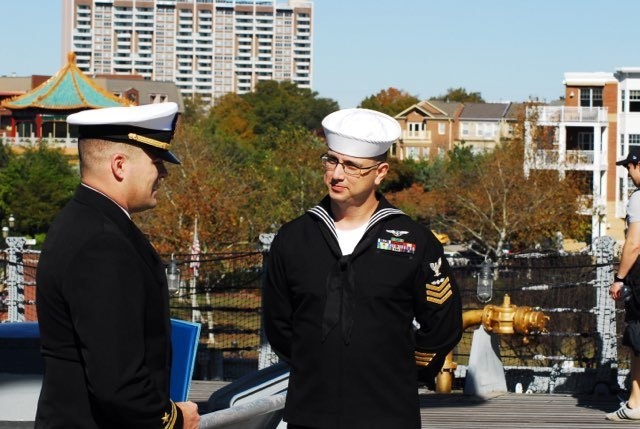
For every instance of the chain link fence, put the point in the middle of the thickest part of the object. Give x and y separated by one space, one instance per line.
222 291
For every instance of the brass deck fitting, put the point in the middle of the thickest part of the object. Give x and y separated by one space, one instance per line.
503 319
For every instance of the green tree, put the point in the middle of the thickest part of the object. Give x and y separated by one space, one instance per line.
235 194
5 153
34 186
194 109
390 101
460 95
404 174
232 116
284 104
288 178
249 162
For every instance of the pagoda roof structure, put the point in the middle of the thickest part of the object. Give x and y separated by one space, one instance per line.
67 91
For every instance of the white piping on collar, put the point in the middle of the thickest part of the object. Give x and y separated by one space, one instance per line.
324 216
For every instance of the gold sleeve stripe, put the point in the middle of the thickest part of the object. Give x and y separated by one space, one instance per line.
170 420
441 300
439 287
424 359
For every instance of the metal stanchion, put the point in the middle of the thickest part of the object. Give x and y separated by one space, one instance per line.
15 277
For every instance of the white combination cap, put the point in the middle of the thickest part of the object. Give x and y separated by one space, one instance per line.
150 126
362 133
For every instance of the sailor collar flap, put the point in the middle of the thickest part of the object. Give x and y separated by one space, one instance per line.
340 286
323 212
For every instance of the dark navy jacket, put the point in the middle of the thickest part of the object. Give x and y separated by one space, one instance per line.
103 312
344 323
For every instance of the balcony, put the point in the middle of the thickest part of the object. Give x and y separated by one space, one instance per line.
416 135
579 160
546 115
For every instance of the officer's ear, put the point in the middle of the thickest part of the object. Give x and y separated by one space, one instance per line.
118 161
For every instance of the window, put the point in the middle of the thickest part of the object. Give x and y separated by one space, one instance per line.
591 97
157 98
634 100
441 128
412 153
585 141
464 128
634 140
484 129
415 128
622 100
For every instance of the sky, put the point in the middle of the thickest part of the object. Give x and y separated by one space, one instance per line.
504 49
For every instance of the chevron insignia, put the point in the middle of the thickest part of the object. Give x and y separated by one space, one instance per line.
423 359
439 293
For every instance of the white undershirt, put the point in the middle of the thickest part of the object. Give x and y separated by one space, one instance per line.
349 238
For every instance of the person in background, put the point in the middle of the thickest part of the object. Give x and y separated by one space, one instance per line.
344 284
630 409
103 304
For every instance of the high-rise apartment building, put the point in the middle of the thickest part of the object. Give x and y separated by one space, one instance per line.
207 47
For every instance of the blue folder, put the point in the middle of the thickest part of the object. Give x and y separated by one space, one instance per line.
184 341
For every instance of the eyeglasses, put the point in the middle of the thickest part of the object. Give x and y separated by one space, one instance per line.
330 163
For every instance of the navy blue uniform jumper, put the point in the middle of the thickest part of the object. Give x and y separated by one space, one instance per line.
345 323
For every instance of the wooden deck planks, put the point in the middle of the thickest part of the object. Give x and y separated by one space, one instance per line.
200 390
517 410
504 411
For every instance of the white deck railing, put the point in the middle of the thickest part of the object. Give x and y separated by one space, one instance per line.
573 159
416 135
557 114
67 144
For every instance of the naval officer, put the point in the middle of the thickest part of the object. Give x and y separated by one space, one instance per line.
102 297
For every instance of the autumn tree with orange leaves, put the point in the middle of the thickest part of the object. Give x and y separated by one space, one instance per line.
390 101
486 199
208 185
237 184
493 204
240 180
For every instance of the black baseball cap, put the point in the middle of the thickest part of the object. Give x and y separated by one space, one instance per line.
632 158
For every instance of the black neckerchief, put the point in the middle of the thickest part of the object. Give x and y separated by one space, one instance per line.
341 285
